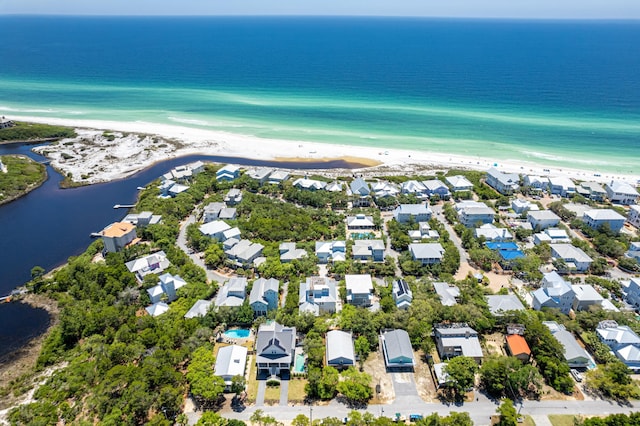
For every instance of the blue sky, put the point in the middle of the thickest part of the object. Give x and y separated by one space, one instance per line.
545 9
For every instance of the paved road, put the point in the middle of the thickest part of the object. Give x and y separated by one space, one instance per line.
182 243
437 213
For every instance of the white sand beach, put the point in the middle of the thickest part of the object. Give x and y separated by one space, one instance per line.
92 157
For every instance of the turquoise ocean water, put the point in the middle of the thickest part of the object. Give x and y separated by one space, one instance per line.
562 94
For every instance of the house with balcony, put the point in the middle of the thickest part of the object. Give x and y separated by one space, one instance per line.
413 187
359 290
166 288
340 353
597 218
275 349
118 235
551 236
232 293
535 183
368 250
542 219
154 263
360 222
474 213
397 350
309 184
416 212
231 361
215 229
227 173
244 253
554 292
575 355
634 215
318 295
622 341
619 192
504 183
490 232
575 260
436 188
402 294
260 174
457 339
632 292
592 190
562 186
233 197
264 296
426 253
459 183
331 251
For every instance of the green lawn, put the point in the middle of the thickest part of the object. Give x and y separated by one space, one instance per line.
528 421
561 419
296 390
252 383
272 393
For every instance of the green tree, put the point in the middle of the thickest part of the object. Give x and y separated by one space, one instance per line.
301 420
205 387
461 371
210 418
508 414
355 386
362 348
613 380
238 384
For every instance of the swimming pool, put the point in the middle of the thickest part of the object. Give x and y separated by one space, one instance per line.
238 333
298 366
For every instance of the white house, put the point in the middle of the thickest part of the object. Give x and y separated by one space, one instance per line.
333 251
419 212
154 263
499 304
592 190
228 172
360 187
459 183
359 289
542 219
212 211
244 253
215 229
156 309
289 252
383 188
118 235
167 286
199 309
504 183
551 236
586 296
413 187
436 187
562 186
275 346
490 232
232 293
143 218
633 292
596 218
447 293
360 222
536 183
634 251
278 177
318 295
402 294
368 250
427 253
233 197
309 184
457 340
634 215
622 340
261 174
521 206
339 349
334 186
472 213
574 258
264 295
554 292
230 361
620 192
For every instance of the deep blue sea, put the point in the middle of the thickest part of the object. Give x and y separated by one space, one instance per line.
559 93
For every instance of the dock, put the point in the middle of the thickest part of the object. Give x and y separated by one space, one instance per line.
124 206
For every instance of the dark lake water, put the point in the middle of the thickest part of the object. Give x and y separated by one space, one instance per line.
50 224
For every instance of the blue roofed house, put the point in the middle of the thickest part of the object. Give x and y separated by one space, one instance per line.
620 192
402 294
504 183
397 350
359 289
318 295
597 218
339 349
264 296
418 212
623 341
554 292
228 172
275 346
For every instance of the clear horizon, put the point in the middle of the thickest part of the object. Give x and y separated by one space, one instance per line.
465 9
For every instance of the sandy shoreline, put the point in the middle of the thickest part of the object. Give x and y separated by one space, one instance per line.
92 158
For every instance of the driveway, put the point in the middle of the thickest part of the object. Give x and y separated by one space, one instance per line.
284 392
404 384
182 243
262 387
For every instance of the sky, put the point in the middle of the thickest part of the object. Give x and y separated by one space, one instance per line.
519 9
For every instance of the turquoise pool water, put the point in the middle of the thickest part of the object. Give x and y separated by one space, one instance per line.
362 235
298 366
237 333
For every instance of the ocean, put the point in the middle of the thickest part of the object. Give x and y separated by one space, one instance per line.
557 93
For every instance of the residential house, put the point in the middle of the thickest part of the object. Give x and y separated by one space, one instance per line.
334 186
447 293
215 229
368 250
414 187
333 251
562 186
142 219
339 349
166 288
289 252
169 188
154 263
490 232
536 183
542 219
517 347
586 296
212 211
473 213
264 296
634 251
231 361
418 212
118 235
318 295
633 292
623 341
554 292
508 251
592 190
359 289
435 187
427 253
459 183
634 215
231 233
157 309
233 197
574 258
597 218
521 206
275 346
278 177
402 294
261 174
575 355
504 183
383 189
185 172
309 184
244 253
551 236
232 293
359 187
499 304
397 350
620 192
424 232
199 309
457 339
360 222
228 172
228 213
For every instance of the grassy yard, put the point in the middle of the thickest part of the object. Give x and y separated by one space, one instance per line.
561 419
528 421
252 383
23 175
271 394
296 390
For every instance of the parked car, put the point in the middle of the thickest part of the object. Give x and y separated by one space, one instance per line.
576 375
